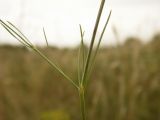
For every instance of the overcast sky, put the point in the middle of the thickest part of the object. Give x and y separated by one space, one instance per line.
61 19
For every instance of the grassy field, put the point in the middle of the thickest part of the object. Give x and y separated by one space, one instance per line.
125 83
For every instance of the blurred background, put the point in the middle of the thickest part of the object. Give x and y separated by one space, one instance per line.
125 84
61 19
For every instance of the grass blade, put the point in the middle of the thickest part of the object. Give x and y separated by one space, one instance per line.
15 32
82 46
45 37
81 56
98 45
92 41
19 32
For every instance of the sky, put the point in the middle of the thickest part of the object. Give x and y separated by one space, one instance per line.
61 19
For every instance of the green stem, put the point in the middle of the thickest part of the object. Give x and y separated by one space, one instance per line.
82 102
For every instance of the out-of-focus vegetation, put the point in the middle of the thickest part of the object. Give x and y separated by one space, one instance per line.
125 83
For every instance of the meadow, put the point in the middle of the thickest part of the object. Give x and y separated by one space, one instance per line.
125 83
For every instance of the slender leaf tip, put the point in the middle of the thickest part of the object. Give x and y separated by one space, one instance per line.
45 36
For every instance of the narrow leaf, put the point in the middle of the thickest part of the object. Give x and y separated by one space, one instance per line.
45 37
81 56
19 32
92 41
22 39
16 35
97 46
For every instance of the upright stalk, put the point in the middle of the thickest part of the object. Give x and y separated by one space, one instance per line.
82 102
88 62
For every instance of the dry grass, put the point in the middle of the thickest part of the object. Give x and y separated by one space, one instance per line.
126 83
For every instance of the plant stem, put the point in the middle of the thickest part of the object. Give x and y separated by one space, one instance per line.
82 102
